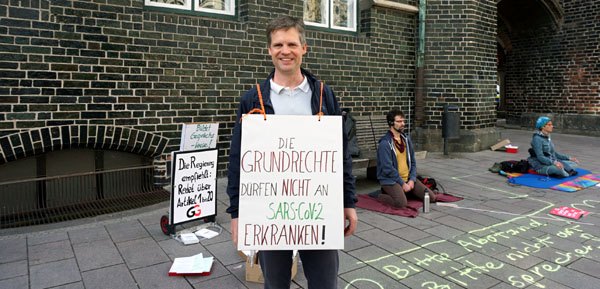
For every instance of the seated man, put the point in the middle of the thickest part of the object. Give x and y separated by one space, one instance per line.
544 159
396 165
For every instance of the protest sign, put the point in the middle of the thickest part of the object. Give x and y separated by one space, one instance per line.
199 136
291 183
194 185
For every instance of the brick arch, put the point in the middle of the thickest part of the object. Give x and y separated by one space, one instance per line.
519 15
42 140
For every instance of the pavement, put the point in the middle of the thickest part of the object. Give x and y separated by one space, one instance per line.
499 236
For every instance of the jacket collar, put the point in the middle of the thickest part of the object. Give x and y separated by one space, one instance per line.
315 86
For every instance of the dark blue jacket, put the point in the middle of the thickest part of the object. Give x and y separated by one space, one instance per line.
387 163
250 101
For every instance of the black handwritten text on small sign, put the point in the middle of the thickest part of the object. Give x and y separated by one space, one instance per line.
291 183
196 136
194 185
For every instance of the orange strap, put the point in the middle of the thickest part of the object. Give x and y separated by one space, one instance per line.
320 102
262 106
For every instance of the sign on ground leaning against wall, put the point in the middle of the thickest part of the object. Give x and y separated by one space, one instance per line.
291 183
194 185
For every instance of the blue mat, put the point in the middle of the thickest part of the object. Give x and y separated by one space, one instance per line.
544 182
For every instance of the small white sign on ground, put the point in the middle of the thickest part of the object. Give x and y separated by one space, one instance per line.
194 185
291 183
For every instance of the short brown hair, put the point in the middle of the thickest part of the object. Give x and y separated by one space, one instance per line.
286 22
391 116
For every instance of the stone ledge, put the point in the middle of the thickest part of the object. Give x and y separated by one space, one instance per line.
470 140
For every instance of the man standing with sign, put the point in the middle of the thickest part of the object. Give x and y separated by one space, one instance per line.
291 90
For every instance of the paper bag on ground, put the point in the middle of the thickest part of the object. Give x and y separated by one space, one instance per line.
254 272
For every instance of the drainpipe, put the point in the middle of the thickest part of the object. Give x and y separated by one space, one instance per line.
419 103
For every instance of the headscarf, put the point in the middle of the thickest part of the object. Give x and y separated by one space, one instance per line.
541 122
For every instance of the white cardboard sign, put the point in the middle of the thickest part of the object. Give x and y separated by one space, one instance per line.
291 183
196 136
194 185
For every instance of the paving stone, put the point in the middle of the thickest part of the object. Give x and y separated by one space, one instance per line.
362 226
13 269
375 280
239 271
54 274
570 277
49 252
348 263
226 253
108 278
42 238
221 282
353 242
586 266
444 232
370 253
13 250
458 223
442 246
175 249
17 282
76 285
88 235
155 231
410 234
97 254
385 240
523 261
471 280
155 276
433 262
141 252
383 222
427 280
546 283
126 231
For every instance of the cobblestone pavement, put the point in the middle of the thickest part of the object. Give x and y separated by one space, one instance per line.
500 236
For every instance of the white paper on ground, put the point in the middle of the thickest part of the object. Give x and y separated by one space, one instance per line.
206 233
189 238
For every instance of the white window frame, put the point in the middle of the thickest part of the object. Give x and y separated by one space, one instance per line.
229 7
324 14
328 14
351 16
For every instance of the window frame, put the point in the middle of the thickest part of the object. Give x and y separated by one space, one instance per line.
329 26
192 8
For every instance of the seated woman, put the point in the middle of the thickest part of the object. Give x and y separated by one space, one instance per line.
544 159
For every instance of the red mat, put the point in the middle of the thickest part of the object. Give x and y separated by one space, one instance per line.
411 210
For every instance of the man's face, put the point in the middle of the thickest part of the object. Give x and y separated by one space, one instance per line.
286 50
399 123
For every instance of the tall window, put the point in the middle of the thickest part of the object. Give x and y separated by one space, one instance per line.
332 14
225 7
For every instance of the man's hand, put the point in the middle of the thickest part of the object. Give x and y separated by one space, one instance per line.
411 183
350 215
234 230
575 160
406 188
558 164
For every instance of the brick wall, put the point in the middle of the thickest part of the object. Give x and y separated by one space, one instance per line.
460 70
556 70
112 63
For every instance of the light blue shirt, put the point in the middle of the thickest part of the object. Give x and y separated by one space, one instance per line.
294 102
